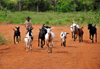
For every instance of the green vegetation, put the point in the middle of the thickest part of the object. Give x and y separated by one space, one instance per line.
2 40
52 18
47 5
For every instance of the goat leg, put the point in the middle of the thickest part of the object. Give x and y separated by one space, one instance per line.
61 42
64 43
92 38
82 38
74 37
72 34
96 37
44 42
31 45
14 39
19 38
47 46
79 38
41 44
38 42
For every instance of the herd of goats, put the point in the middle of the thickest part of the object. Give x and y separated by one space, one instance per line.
45 34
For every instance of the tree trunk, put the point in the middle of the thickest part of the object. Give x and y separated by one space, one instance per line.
19 5
74 5
55 4
0 6
37 7
98 5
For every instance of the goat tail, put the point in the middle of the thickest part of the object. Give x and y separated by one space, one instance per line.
14 29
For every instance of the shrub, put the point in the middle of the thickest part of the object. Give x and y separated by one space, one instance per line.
2 40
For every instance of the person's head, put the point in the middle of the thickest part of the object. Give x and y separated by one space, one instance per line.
28 18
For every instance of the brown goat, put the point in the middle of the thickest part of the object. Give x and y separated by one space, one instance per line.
79 32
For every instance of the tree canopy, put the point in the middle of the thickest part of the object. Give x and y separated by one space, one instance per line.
47 5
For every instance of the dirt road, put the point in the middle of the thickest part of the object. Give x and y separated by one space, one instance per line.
83 55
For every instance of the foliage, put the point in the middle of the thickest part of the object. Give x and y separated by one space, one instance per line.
65 6
47 5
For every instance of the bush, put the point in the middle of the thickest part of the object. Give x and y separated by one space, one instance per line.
65 6
2 40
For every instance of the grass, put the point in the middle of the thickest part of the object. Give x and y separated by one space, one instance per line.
2 40
52 18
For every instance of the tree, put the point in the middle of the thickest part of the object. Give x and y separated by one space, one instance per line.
19 5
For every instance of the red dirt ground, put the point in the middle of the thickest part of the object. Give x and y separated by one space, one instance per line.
83 55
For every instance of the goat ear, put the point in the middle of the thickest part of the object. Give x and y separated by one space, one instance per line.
52 28
67 33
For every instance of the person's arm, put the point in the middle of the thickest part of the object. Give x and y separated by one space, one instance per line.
31 24
25 24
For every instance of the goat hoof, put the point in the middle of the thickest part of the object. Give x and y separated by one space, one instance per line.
64 45
41 46
26 50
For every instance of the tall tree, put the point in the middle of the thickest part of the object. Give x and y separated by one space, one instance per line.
19 5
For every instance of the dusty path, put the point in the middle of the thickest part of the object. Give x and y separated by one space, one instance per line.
84 55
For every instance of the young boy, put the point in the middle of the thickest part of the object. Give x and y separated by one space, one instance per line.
28 23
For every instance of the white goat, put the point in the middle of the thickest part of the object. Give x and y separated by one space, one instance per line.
63 37
28 39
72 27
49 37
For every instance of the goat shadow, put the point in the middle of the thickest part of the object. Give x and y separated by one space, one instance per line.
36 51
1 52
41 48
61 52
72 46
90 42
5 49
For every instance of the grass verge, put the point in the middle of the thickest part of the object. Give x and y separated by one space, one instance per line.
52 18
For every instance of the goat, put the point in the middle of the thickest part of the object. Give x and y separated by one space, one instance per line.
42 37
43 27
78 32
28 39
49 39
17 35
63 37
92 31
72 28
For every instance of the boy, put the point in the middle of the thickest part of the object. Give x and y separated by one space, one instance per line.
28 23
